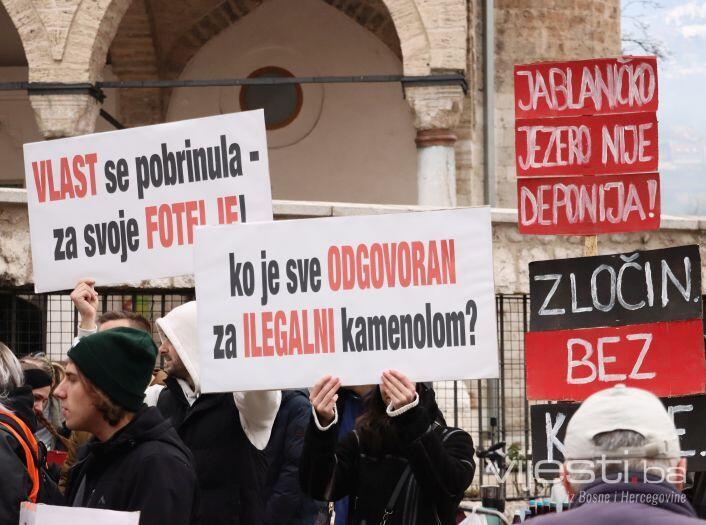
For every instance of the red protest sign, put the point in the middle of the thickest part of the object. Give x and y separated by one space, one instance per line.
588 205
587 118
605 144
586 87
664 358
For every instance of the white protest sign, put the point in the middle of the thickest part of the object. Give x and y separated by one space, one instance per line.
31 514
122 206
282 304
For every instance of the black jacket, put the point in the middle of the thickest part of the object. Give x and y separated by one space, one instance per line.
144 466
285 503
440 458
15 483
230 470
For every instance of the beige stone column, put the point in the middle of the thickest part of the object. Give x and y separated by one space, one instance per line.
437 111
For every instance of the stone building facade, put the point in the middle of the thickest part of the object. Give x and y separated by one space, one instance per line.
78 41
353 148
377 144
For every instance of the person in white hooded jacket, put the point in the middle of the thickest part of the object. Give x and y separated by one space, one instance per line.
227 433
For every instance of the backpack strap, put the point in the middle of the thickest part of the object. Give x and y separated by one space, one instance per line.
390 507
25 438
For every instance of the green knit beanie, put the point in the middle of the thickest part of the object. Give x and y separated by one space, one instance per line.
119 362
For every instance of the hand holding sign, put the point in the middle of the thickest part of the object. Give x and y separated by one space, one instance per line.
85 299
396 389
323 397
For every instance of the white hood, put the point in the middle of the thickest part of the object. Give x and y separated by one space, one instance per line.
179 326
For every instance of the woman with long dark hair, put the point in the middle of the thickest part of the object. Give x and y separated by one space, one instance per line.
401 465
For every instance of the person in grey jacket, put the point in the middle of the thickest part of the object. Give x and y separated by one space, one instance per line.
623 464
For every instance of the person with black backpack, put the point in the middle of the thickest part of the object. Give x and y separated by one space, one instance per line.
401 465
22 459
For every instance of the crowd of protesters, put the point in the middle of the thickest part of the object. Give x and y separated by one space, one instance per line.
137 439
134 438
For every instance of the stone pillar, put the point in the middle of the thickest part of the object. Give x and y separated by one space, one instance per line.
437 110
436 167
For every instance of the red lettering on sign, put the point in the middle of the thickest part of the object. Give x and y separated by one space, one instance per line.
174 223
72 180
394 264
286 333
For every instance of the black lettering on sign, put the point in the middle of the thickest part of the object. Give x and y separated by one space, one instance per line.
242 277
616 290
549 424
226 344
117 237
65 246
303 274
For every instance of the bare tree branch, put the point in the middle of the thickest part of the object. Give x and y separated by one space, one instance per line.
639 35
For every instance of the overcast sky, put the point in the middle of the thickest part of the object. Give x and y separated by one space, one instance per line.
680 28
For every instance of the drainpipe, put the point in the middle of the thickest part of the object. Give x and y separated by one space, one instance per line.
489 103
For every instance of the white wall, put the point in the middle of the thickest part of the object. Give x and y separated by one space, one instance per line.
351 142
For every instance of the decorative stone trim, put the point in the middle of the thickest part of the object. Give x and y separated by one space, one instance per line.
435 137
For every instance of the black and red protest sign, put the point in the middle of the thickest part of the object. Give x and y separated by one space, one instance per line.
632 318
577 121
549 422
615 290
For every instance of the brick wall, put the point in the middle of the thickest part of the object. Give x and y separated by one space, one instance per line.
528 31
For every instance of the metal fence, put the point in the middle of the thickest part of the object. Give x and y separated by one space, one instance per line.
31 323
491 410
494 410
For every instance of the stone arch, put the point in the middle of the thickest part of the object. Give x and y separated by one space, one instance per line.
414 40
398 23
66 41
336 124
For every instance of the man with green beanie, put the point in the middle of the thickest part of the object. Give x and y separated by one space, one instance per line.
136 461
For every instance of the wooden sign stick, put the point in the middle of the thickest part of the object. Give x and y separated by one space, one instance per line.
590 247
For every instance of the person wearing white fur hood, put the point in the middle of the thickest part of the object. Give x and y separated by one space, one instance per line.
226 433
